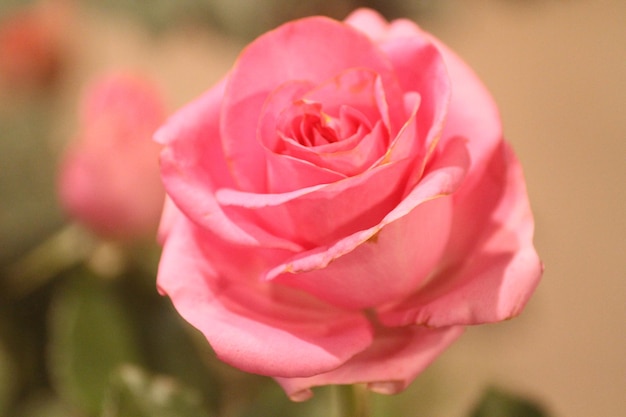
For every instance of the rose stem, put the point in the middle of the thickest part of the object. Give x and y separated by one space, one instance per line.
353 400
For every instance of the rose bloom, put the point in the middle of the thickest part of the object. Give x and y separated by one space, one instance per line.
109 176
343 205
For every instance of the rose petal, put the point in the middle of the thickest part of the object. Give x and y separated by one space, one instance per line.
492 279
319 215
503 274
286 173
169 215
370 22
355 88
391 259
302 49
193 164
479 121
254 326
356 91
404 43
420 70
393 361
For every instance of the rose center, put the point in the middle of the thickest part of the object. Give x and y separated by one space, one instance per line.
306 124
312 130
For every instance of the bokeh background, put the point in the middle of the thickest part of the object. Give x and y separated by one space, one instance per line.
557 68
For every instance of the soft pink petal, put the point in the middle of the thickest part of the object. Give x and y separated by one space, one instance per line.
492 220
391 259
388 366
369 149
363 89
286 173
298 50
366 270
311 165
404 43
256 327
169 215
492 266
421 72
355 87
472 112
420 69
370 22
193 165
282 99
319 215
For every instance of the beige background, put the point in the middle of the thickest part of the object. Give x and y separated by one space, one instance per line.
558 70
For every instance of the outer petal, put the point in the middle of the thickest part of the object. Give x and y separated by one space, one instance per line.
472 113
391 259
169 215
370 22
193 165
399 353
420 69
303 50
492 264
493 279
253 326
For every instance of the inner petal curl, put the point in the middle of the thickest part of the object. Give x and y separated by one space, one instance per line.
341 125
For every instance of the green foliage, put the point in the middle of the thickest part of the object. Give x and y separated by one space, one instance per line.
134 393
90 337
497 403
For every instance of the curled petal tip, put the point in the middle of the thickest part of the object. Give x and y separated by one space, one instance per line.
300 396
386 387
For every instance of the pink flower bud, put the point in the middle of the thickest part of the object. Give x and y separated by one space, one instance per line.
109 177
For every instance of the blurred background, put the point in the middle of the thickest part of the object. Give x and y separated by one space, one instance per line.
557 69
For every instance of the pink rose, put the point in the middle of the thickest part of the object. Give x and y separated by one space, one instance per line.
344 205
109 178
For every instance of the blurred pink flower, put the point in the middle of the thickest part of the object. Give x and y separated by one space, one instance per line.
109 177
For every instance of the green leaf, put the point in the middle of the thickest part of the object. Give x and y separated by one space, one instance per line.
135 393
90 337
498 403
172 352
